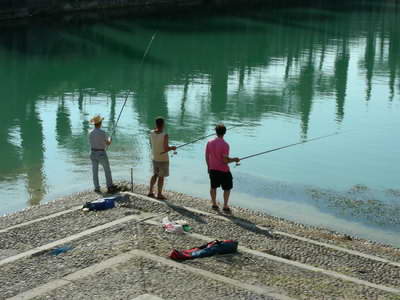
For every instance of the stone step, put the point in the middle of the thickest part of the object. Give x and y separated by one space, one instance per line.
246 267
178 279
32 234
259 245
147 297
79 235
37 212
251 265
354 264
282 225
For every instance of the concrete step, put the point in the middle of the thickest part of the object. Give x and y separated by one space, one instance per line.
32 234
135 272
282 225
147 297
352 263
266 260
249 268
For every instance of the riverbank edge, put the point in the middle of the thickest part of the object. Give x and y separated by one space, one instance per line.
263 219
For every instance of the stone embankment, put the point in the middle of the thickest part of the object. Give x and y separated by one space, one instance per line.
121 253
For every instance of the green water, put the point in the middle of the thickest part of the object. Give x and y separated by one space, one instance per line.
284 74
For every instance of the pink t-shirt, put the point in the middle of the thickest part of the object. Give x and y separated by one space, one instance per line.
215 151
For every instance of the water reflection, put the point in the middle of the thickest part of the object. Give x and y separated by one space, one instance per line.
63 124
32 153
341 69
243 68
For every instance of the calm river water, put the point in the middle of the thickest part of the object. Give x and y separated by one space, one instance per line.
286 75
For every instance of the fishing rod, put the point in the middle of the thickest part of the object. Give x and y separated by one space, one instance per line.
128 93
199 139
287 146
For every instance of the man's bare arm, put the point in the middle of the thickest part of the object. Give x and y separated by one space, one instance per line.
229 160
167 148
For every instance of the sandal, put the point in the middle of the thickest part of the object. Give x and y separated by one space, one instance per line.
151 195
227 210
161 197
215 207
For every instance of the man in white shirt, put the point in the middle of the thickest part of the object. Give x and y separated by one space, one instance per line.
160 148
99 141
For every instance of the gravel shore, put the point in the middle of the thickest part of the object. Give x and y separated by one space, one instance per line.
139 275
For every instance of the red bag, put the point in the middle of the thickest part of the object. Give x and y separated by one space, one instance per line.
179 255
209 249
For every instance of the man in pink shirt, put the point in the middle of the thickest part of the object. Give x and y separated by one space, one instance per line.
217 158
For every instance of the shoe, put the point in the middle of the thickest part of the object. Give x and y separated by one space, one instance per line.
98 191
112 189
113 186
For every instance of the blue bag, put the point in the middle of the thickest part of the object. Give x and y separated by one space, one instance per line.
102 204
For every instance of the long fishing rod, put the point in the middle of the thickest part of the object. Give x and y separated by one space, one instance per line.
200 138
128 93
287 146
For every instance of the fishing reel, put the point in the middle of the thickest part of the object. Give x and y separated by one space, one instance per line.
175 152
237 163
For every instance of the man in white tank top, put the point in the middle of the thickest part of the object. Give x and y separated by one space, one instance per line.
160 148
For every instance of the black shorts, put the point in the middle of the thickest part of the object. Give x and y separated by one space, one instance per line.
223 179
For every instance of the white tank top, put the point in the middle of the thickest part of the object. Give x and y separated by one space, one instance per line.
157 146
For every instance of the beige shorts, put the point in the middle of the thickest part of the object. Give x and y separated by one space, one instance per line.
161 168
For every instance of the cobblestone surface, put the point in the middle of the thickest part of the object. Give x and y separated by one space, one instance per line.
27 273
315 233
142 276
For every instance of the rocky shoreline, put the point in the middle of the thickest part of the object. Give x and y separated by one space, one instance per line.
277 259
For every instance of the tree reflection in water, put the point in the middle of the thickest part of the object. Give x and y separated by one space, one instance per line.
219 62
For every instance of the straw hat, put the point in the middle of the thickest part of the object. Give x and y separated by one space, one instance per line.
96 120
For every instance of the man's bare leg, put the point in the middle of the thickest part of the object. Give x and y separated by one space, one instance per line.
213 194
152 183
160 187
226 198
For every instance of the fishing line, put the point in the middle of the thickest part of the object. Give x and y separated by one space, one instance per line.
201 138
128 93
287 146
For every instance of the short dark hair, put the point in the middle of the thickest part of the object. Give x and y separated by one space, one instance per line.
159 122
220 129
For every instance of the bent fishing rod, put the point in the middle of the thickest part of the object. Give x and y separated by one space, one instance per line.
200 138
287 146
128 93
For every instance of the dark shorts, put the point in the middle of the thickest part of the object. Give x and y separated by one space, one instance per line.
221 179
